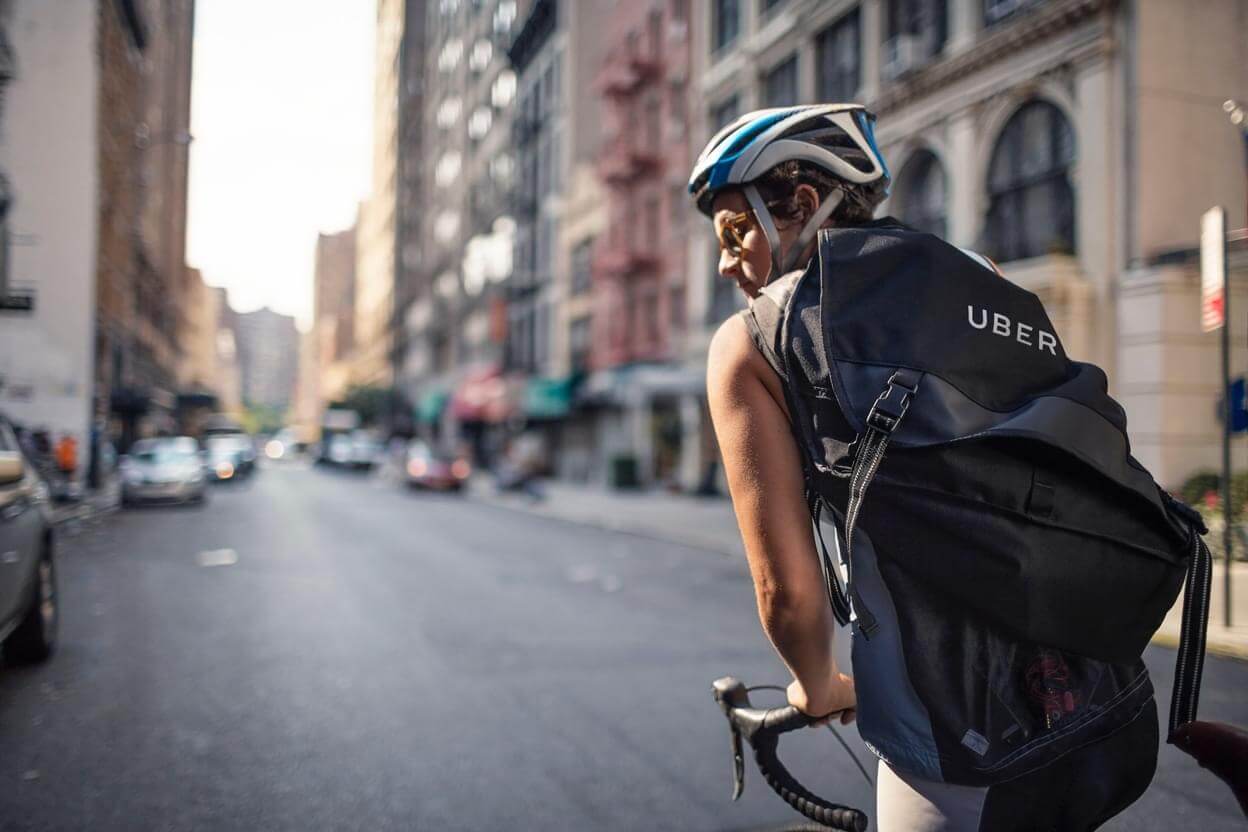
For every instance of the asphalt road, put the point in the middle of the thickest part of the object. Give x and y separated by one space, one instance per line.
316 650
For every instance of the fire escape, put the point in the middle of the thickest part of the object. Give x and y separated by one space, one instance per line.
627 264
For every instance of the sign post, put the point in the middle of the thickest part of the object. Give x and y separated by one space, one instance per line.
1214 309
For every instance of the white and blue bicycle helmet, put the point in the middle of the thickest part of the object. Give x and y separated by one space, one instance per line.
838 139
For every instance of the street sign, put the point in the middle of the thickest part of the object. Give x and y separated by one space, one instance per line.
1212 269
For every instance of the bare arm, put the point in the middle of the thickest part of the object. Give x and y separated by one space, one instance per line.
765 479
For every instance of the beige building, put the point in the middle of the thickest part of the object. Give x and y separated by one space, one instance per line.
198 370
375 241
49 180
1075 141
333 315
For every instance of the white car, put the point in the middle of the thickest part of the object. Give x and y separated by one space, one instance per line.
167 469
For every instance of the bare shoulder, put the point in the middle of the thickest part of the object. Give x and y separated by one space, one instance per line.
733 361
731 351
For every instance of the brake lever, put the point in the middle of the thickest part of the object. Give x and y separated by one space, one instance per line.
730 693
738 764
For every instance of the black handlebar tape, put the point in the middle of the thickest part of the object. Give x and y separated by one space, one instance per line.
765 742
844 818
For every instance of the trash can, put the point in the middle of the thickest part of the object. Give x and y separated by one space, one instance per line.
623 472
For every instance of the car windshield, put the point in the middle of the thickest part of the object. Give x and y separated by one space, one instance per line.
163 453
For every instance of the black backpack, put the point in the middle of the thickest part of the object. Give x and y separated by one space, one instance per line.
1018 543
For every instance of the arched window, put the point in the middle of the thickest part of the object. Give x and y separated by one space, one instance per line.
920 193
1031 208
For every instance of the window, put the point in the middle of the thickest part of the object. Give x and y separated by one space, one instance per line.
580 343
780 85
447 169
451 52
838 54
6 201
479 58
997 10
924 23
446 226
920 193
725 23
1031 201
676 308
724 112
479 123
504 16
582 267
504 89
654 122
448 113
654 219
726 298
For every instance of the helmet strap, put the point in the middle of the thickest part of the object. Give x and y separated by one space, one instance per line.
763 214
834 198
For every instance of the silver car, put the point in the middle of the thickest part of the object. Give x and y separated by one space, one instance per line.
167 469
28 598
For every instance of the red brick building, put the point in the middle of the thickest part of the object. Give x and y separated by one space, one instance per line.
639 264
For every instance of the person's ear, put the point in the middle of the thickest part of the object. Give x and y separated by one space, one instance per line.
807 199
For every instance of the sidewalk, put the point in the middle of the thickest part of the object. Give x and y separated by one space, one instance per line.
1223 641
701 522
95 503
709 523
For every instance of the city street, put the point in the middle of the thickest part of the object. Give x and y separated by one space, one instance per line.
319 650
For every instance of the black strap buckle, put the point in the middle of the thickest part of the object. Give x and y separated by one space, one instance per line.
892 404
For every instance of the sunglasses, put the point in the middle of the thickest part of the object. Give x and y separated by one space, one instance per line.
732 232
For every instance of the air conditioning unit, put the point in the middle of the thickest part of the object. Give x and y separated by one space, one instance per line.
902 54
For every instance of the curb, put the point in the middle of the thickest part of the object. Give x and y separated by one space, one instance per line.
614 528
87 510
1214 646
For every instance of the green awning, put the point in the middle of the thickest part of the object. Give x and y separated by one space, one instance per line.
549 398
429 408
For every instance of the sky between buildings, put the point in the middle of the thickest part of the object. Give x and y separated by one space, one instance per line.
281 112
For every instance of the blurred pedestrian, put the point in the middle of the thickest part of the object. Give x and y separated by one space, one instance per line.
67 455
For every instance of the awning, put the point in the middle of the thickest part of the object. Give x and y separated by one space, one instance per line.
430 406
481 397
549 398
633 384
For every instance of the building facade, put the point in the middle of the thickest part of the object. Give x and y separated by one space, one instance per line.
376 235
1075 141
333 313
639 270
464 246
144 88
268 357
556 136
50 89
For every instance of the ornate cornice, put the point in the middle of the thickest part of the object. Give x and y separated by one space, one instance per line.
1044 22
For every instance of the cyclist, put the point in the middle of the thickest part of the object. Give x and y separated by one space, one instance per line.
769 181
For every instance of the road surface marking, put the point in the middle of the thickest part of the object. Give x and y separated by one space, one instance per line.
217 557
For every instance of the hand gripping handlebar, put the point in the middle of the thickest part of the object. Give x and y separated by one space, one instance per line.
762 729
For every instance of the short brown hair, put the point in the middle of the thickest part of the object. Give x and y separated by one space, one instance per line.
778 188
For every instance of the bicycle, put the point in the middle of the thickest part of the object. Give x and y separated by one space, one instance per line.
762 728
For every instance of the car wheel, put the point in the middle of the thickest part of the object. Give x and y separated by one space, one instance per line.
35 638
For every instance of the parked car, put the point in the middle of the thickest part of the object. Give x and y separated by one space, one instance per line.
230 455
366 449
165 469
29 611
425 468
